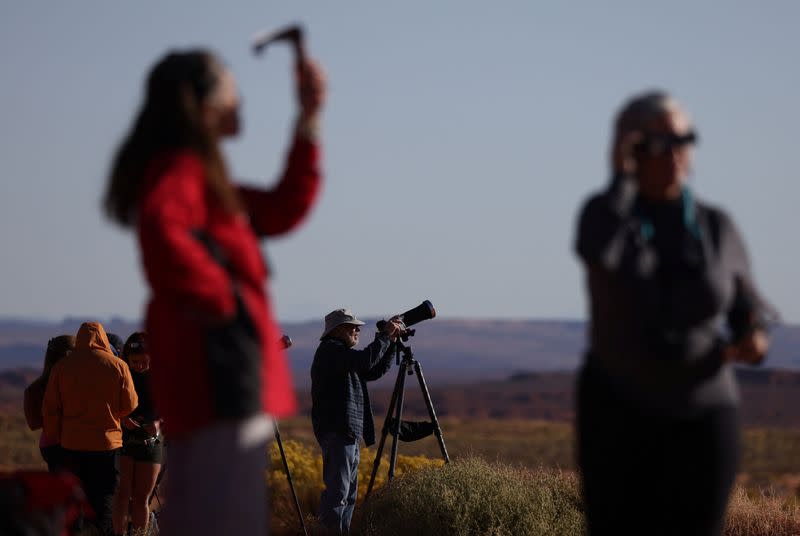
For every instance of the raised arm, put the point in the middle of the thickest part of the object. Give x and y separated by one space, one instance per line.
371 358
277 211
601 231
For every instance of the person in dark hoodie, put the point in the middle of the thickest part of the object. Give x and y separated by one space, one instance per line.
86 397
673 306
142 447
116 343
341 413
57 349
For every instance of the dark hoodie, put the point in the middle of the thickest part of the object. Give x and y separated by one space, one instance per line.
88 393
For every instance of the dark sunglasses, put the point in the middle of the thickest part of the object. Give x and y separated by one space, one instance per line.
661 144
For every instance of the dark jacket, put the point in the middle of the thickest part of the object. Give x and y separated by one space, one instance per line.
339 376
663 282
145 412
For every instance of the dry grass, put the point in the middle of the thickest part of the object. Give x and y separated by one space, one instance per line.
762 515
770 463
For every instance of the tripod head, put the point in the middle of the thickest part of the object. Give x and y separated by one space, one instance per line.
406 351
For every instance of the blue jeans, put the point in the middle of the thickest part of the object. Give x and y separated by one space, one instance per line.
340 457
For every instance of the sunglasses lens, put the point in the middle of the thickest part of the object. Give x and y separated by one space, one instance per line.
660 145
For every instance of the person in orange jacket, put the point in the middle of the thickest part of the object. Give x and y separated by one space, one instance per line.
86 397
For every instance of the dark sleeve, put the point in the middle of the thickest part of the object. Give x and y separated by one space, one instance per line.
601 229
589 236
145 411
51 405
34 395
381 367
748 310
279 210
368 361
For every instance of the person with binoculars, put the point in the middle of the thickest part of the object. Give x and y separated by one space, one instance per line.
341 413
673 306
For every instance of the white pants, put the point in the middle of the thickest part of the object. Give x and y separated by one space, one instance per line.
216 480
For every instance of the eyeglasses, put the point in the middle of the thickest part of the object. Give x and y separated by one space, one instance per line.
661 144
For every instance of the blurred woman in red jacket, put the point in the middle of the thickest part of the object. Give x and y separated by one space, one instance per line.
218 368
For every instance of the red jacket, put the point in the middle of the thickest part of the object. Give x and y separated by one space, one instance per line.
191 291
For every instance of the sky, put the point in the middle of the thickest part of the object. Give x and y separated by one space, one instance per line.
460 139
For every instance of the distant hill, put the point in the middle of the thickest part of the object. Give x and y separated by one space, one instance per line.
451 350
770 397
23 342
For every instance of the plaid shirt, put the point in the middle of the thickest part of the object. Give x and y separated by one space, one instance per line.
339 396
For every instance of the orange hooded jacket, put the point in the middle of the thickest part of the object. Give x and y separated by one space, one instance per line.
88 393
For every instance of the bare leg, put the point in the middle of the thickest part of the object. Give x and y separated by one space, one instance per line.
122 497
144 480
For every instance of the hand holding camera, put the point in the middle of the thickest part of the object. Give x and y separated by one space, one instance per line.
423 311
394 328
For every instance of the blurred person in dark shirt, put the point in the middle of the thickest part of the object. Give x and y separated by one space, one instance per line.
672 307
142 451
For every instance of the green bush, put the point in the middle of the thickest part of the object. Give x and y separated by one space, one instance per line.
471 496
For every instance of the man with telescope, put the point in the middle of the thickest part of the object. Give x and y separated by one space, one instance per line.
341 412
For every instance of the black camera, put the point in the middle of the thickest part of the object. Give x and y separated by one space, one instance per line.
423 311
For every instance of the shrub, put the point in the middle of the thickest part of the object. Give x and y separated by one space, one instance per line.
305 464
472 496
761 515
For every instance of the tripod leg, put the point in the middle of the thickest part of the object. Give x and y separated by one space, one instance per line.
289 476
427 396
398 422
385 430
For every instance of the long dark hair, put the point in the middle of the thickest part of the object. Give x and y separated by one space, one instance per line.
170 118
57 349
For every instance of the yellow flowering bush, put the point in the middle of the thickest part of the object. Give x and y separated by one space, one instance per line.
305 465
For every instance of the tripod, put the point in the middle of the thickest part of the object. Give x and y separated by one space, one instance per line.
289 476
286 343
408 366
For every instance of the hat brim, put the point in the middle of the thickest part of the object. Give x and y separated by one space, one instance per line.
354 322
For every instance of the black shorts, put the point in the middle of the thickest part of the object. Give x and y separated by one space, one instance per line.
141 452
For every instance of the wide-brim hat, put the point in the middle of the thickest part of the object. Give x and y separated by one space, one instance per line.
337 318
